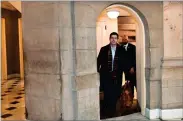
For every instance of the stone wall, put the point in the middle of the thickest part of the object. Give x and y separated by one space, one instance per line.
60 54
172 76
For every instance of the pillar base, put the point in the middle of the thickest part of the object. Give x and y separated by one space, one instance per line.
164 114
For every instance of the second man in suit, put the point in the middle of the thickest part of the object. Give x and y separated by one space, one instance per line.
130 62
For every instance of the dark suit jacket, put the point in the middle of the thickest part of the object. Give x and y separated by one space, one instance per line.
130 58
106 83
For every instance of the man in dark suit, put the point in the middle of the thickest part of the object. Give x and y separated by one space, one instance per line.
109 66
130 62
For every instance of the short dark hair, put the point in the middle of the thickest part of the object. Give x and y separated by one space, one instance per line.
114 33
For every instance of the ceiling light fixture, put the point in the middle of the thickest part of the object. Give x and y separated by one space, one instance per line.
113 14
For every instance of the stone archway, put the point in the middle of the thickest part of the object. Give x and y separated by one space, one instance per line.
142 51
86 87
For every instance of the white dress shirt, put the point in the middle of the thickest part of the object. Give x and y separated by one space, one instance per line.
126 46
113 49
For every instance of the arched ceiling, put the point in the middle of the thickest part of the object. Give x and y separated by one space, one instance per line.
117 8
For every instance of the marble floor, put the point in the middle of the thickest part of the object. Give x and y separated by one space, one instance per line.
12 100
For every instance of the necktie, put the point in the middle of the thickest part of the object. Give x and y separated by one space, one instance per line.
125 46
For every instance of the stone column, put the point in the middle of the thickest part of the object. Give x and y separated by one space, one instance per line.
172 68
86 80
155 21
69 104
42 60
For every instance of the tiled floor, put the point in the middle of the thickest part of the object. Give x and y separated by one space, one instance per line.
12 100
131 117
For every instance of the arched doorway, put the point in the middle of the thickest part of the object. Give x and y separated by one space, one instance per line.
142 40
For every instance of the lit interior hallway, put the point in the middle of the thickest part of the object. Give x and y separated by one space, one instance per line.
12 99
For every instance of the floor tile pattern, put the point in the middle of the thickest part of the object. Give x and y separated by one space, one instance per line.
12 99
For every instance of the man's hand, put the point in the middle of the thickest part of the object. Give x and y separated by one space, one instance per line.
101 95
132 70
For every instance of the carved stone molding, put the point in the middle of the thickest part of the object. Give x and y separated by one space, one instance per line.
174 62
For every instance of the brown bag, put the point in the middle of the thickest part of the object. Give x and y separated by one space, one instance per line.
126 98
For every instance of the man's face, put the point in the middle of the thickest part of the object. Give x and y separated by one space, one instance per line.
113 39
124 39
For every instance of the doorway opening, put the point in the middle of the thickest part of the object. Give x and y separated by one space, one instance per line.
12 68
130 24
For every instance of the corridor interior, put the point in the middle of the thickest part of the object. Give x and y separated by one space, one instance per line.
12 73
